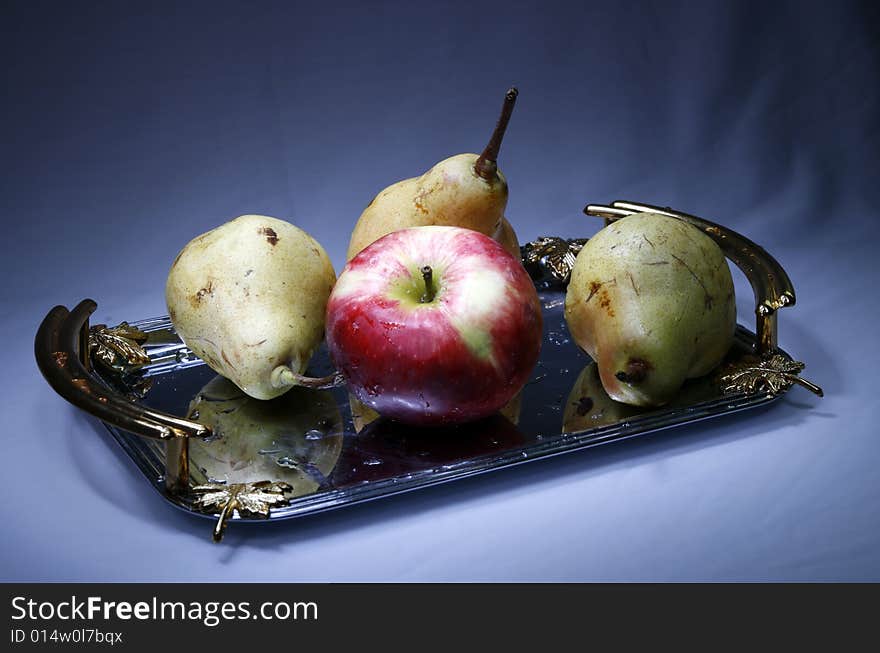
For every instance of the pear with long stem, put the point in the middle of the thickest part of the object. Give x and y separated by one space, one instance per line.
466 190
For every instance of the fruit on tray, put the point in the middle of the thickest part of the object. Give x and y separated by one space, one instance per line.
434 325
249 298
465 190
296 438
651 300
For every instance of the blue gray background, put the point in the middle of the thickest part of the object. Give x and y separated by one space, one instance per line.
129 128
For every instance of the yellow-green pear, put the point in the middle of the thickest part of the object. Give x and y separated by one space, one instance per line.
506 236
465 190
651 300
249 299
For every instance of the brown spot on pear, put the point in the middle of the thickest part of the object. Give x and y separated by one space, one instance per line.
465 190
270 234
223 325
671 320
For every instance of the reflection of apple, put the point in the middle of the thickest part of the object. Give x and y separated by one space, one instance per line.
434 325
387 449
295 438
362 416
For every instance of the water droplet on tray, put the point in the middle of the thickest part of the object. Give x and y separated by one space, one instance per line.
374 390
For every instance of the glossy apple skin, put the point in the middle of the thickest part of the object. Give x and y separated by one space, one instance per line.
458 358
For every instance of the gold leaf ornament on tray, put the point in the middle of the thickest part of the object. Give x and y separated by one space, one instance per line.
773 375
250 499
551 257
118 347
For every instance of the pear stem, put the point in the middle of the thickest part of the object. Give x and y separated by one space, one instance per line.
486 165
287 377
428 276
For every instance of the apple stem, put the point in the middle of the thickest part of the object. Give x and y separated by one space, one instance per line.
486 165
287 377
428 276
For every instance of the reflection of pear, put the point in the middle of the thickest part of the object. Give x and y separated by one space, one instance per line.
511 409
465 190
295 438
589 406
361 414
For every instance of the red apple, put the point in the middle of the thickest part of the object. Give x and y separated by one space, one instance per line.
434 325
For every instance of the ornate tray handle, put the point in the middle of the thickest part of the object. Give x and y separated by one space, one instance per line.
62 352
63 346
770 283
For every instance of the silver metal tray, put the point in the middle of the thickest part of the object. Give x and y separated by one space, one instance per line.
210 450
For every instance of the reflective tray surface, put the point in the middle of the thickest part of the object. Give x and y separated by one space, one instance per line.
325 446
